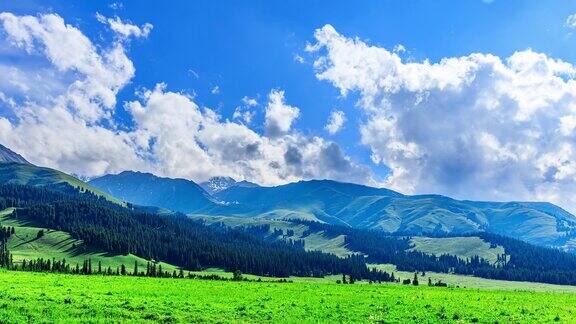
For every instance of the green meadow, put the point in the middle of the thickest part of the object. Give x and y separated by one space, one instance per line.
45 297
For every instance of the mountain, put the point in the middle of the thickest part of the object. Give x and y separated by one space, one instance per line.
372 208
217 184
149 190
7 155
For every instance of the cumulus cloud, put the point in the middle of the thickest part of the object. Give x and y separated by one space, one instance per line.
279 115
335 121
125 29
476 126
69 125
188 142
102 73
215 90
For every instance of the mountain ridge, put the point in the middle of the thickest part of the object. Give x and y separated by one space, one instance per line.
217 184
146 189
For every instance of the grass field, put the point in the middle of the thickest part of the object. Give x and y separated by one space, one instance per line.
477 283
39 297
60 245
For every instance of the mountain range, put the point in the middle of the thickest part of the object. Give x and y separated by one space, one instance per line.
325 201
351 205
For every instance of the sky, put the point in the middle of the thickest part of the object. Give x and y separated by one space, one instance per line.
473 99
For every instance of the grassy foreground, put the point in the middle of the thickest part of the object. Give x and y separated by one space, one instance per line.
40 297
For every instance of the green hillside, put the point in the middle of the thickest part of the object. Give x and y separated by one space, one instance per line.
28 174
463 247
25 245
318 241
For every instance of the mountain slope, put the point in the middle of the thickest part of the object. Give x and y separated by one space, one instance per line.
31 175
148 190
7 155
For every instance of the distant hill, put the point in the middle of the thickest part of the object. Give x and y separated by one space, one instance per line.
7 155
149 190
217 184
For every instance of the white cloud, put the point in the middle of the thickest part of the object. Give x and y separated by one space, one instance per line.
475 126
187 142
215 90
335 121
125 29
571 21
298 58
244 115
250 102
399 48
102 73
70 124
116 5
279 115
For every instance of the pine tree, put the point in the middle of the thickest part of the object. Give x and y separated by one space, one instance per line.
136 267
415 280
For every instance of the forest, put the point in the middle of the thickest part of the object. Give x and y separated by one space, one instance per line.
521 262
173 238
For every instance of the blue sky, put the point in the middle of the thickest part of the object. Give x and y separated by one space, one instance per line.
249 48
